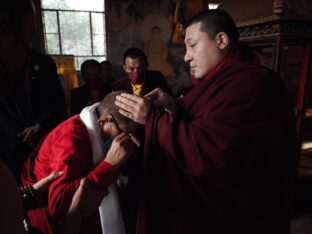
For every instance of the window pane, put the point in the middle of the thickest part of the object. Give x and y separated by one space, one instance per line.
98 44
75 33
53 46
50 22
83 5
97 23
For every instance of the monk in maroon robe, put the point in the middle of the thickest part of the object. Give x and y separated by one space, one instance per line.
221 159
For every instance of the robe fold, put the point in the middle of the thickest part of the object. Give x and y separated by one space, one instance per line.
66 148
226 162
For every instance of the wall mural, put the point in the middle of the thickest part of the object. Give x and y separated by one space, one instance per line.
147 25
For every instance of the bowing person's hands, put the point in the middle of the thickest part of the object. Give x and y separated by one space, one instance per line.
120 150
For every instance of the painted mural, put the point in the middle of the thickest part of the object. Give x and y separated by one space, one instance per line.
148 25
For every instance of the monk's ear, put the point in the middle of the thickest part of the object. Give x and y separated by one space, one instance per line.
101 122
222 40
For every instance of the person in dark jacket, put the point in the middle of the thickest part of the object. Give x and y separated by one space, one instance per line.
36 108
92 91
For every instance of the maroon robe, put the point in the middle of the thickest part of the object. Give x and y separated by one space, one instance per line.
226 162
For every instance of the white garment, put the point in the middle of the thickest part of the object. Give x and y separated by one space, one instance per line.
110 211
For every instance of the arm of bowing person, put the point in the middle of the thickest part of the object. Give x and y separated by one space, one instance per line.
73 155
85 201
74 159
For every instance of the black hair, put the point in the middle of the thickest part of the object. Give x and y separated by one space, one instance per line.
135 53
216 21
90 63
106 62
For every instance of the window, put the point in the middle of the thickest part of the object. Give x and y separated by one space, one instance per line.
75 27
213 5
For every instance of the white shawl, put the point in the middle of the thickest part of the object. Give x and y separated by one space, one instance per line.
110 211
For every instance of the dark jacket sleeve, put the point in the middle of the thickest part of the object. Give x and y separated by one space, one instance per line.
74 105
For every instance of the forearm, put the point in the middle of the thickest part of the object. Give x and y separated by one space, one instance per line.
102 176
60 197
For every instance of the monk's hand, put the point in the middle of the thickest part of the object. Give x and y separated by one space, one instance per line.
133 107
162 99
120 150
85 200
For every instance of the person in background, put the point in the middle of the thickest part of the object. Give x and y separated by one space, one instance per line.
139 80
92 91
36 108
107 72
222 159
47 95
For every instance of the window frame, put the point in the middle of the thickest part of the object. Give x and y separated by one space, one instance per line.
92 34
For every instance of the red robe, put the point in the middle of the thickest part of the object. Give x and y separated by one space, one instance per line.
66 148
226 162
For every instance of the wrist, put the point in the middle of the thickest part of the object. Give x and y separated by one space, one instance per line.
29 196
114 165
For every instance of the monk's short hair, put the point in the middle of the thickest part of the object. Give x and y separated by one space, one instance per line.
216 21
107 106
135 53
